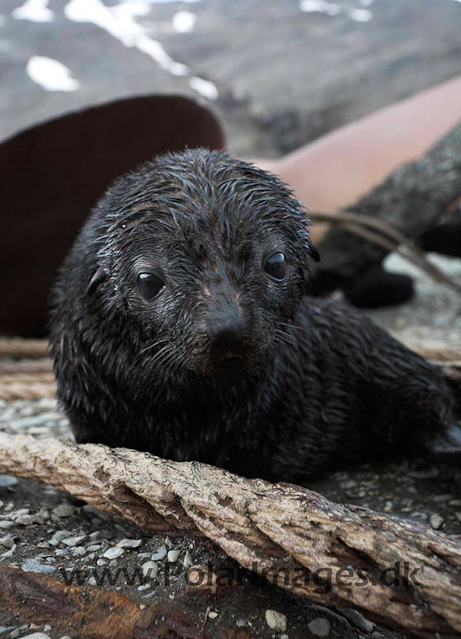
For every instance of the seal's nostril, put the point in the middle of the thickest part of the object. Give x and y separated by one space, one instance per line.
225 338
224 335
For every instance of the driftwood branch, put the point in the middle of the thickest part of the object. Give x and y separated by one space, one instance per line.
281 531
95 613
20 347
411 199
388 238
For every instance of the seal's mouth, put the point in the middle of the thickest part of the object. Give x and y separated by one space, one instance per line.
229 356
228 363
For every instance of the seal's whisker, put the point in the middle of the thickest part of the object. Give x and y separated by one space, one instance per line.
296 326
151 346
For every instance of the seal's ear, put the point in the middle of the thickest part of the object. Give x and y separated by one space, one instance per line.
98 278
308 272
314 253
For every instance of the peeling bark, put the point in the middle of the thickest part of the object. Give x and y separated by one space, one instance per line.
96 613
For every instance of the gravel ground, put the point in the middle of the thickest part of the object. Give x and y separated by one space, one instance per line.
433 317
43 531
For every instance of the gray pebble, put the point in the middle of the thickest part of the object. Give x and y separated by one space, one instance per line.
97 514
26 520
102 562
144 587
159 554
79 551
6 524
426 473
149 569
113 553
173 556
61 552
94 547
91 581
7 482
357 619
129 543
187 561
58 536
276 620
44 514
32 565
63 510
21 511
319 627
351 483
326 611
436 521
74 541
121 528
7 541
94 536
419 515
440 499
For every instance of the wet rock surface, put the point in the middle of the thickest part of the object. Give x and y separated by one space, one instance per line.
285 73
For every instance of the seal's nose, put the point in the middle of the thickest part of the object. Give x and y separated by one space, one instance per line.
226 333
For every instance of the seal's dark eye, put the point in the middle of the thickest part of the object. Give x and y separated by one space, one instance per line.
276 266
149 285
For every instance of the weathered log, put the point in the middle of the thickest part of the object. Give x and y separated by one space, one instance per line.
20 347
95 613
287 533
411 199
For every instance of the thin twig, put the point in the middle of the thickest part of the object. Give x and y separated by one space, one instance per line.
388 238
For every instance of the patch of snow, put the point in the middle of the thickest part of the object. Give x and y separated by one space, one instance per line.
183 21
51 74
34 10
319 6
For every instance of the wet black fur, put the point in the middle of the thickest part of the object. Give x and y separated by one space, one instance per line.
315 384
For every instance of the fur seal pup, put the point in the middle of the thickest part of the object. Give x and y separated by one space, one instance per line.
181 327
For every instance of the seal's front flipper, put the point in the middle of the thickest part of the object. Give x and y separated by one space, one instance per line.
446 446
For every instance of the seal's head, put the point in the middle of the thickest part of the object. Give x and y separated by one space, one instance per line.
196 260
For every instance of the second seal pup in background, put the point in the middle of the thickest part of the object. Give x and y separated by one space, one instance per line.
181 327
